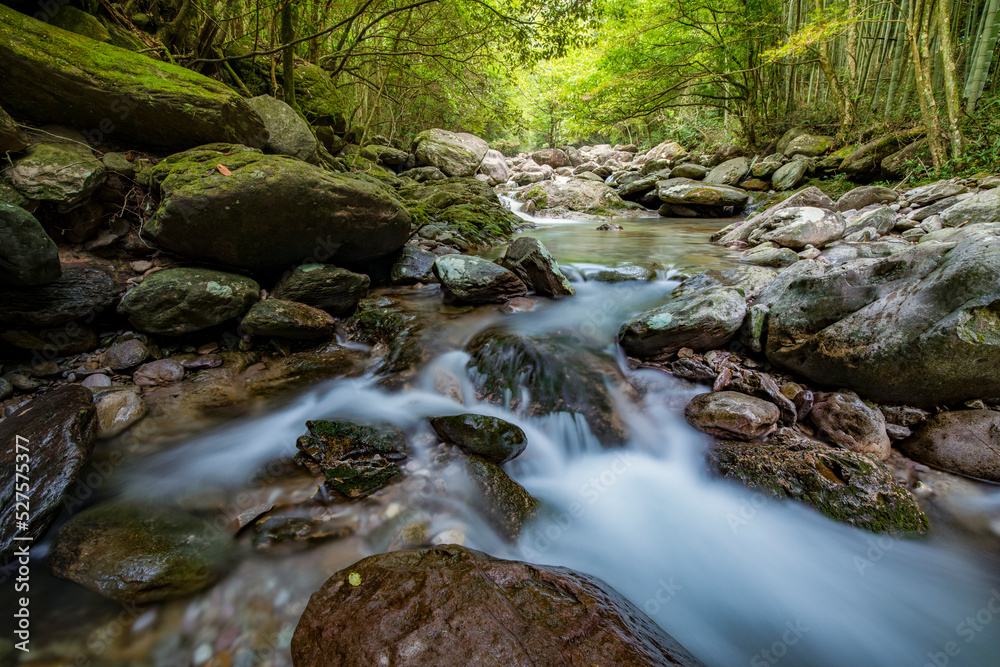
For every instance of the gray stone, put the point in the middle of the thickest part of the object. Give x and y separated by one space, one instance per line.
847 421
494 167
415 265
701 321
27 255
729 414
329 288
789 175
476 280
158 373
61 172
455 154
982 208
492 438
287 132
966 442
687 192
866 195
769 255
279 318
928 194
534 265
799 227
729 172
125 355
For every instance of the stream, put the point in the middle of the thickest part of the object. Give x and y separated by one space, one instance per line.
736 577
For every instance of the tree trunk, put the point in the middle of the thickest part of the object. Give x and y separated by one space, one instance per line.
288 55
950 85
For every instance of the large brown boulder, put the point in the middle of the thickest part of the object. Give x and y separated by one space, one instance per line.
45 444
454 606
55 76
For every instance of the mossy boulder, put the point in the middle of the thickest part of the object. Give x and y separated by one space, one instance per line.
864 163
456 154
492 438
317 96
356 459
506 504
729 172
270 211
688 192
80 22
27 255
845 486
800 142
12 139
330 288
534 264
178 301
278 318
288 134
140 554
381 320
468 208
55 76
63 173
470 279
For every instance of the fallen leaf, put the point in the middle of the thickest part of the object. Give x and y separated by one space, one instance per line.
222 170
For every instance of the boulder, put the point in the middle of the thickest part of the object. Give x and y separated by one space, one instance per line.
899 163
139 554
125 355
81 292
56 433
729 414
932 192
966 442
534 265
866 195
455 154
845 486
845 419
558 374
789 175
982 208
178 301
330 288
476 280
278 318
118 410
317 96
269 211
356 459
27 255
690 170
687 192
76 20
12 138
747 280
798 227
769 254
882 220
633 189
575 195
700 320
729 172
288 134
866 161
381 321
741 231
800 142
59 172
553 157
668 150
54 76
918 327
492 438
415 265
387 156
423 174
449 606
767 166
505 504
494 167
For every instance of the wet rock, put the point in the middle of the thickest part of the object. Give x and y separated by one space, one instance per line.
287 133
609 227
278 318
729 414
450 606
903 415
866 195
57 431
845 419
272 211
466 208
558 375
414 265
798 227
80 292
622 274
133 553
330 288
845 486
966 442
125 355
60 172
118 410
917 328
492 438
381 322
701 320
114 91
505 503
576 195
202 361
789 175
693 369
179 301
729 172
695 172
534 265
159 372
456 154
476 280
770 255
689 192
356 459
27 255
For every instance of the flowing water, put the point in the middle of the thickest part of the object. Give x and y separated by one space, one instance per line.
737 578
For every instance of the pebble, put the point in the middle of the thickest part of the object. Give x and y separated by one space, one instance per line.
22 382
203 361
46 369
141 265
124 355
160 372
